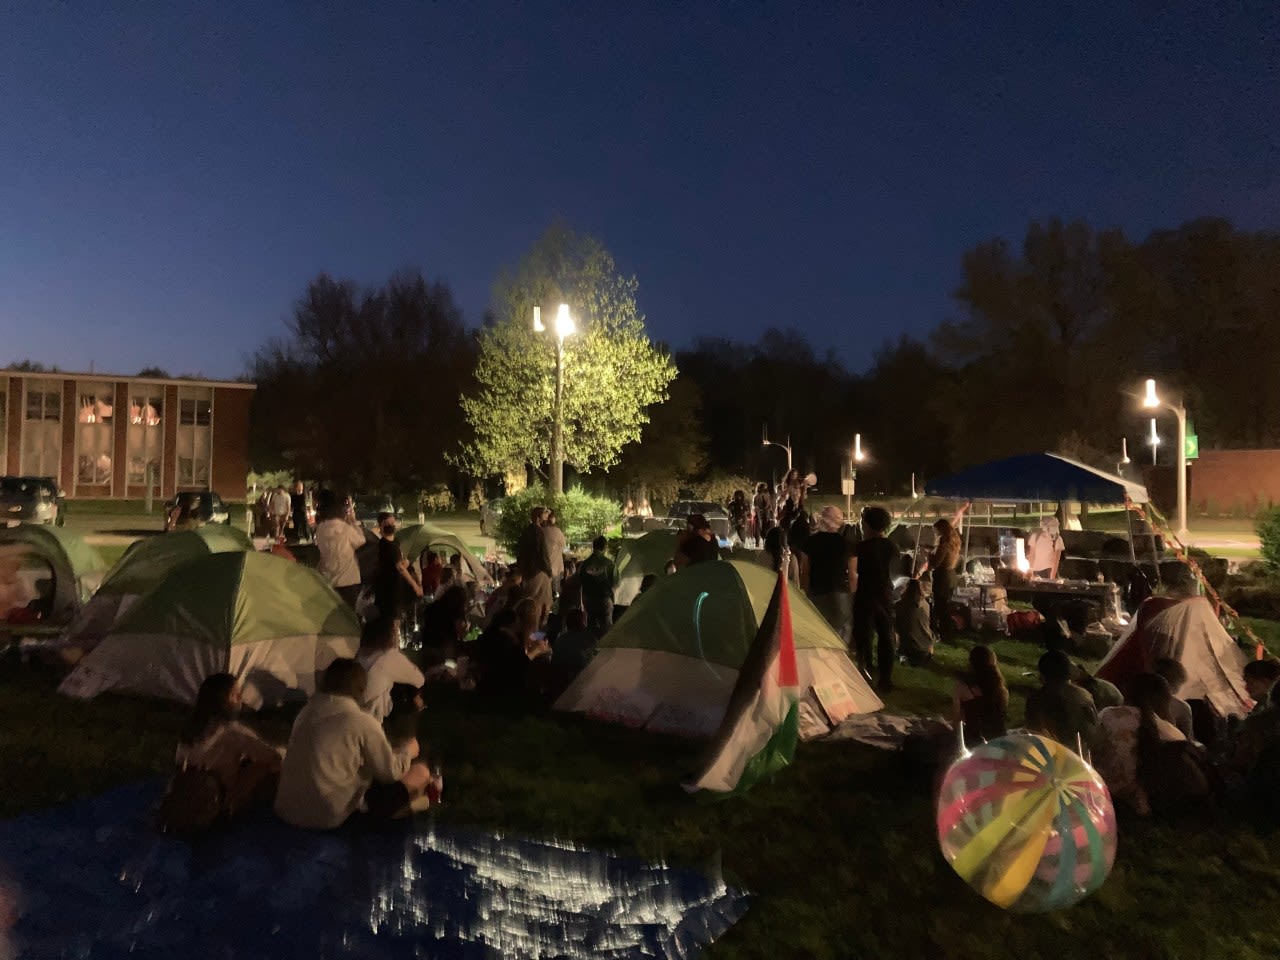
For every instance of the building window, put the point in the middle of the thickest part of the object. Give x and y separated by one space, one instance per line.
194 436
42 429
94 422
146 438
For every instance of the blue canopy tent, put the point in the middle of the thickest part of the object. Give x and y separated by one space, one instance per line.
1036 478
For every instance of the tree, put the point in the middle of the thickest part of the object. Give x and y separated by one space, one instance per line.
671 451
154 373
613 375
31 366
362 391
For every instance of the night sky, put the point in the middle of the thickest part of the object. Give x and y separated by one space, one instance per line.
171 175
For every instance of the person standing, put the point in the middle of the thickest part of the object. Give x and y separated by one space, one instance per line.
394 582
534 563
1045 548
740 516
556 546
874 560
943 562
280 505
698 545
762 505
827 569
298 513
338 539
597 576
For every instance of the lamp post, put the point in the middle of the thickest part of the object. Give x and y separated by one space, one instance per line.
766 442
1124 460
1152 401
856 458
564 328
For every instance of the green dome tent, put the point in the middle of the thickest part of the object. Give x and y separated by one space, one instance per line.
417 538
273 623
142 567
46 575
670 663
640 557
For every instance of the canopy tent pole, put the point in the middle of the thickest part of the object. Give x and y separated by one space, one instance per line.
1128 513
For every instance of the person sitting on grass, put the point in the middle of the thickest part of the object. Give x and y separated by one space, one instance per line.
1145 760
1260 676
1260 680
573 649
510 653
340 762
213 739
385 665
507 593
981 698
1175 674
1059 708
1104 692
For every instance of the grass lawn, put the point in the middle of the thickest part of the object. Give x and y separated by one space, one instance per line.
839 849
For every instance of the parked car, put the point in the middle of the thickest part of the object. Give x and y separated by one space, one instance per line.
718 516
205 504
490 517
368 506
31 500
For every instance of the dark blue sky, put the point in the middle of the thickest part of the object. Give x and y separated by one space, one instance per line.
171 175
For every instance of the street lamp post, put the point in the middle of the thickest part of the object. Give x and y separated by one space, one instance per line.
1152 401
855 459
766 442
564 328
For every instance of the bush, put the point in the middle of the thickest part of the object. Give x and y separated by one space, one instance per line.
1268 526
582 517
719 487
435 499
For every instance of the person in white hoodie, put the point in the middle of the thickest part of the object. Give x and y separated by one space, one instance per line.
339 760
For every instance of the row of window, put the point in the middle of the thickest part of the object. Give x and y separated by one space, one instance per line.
41 450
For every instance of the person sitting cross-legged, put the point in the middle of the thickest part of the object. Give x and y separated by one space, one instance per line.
1059 708
340 762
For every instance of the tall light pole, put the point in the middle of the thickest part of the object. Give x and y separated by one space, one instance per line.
564 328
766 442
1124 460
1152 401
856 457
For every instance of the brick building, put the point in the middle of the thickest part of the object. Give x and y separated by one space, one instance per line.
109 437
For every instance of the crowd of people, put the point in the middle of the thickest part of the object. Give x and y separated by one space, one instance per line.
354 747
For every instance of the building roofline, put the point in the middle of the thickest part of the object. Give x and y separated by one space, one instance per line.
112 377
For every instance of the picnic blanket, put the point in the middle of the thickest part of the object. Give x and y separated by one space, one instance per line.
95 881
885 731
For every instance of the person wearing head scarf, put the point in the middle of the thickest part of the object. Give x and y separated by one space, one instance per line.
827 571
1045 549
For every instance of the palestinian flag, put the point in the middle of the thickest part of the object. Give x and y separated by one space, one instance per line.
761 724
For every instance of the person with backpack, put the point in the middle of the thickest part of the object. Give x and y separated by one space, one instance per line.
597 575
223 766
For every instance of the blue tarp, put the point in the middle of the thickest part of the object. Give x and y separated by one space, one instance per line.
1035 477
95 881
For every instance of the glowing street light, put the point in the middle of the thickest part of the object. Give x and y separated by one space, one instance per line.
564 327
856 458
766 442
1152 401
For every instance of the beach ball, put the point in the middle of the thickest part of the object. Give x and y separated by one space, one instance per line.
1027 823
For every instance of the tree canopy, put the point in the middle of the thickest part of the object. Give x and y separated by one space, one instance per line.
613 375
363 390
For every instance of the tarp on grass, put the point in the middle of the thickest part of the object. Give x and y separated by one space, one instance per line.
97 883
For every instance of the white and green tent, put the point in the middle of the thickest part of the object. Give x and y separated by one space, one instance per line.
671 662
640 557
273 623
144 565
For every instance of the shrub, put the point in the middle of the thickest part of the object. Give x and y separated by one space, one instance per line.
435 499
1268 526
582 517
719 487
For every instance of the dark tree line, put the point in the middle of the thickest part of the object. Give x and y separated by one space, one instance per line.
1047 348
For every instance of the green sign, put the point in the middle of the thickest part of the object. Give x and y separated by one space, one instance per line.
1192 448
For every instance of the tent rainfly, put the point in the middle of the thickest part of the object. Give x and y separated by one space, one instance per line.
273 623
